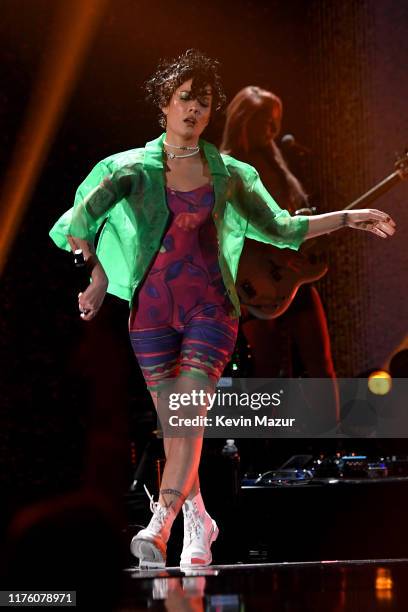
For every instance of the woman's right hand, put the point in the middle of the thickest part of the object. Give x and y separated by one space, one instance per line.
90 301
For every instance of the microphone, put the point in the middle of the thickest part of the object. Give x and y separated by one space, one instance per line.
288 143
79 260
82 271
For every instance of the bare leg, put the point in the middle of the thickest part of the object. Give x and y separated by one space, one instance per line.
196 484
184 452
167 443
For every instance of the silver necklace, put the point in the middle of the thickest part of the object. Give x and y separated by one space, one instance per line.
171 155
184 147
194 150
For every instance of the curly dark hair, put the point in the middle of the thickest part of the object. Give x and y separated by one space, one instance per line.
170 74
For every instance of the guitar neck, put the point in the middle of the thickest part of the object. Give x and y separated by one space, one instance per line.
376 191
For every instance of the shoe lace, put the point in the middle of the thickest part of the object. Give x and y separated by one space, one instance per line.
194 523
159 511
153 505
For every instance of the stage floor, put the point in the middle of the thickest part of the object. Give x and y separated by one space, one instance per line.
344 585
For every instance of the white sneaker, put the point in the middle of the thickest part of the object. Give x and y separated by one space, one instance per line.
150 544
200 531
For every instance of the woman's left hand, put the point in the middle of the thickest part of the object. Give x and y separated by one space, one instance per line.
371 220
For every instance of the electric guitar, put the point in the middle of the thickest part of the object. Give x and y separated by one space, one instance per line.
268 277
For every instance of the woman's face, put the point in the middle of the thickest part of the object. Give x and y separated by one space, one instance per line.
187 116
263 126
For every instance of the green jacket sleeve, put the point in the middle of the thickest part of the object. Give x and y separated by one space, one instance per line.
94 198
267 222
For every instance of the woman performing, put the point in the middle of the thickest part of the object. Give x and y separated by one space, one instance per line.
177 213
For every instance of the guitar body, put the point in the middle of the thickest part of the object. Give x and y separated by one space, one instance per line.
268 277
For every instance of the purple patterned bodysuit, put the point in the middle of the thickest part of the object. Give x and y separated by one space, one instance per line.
182 318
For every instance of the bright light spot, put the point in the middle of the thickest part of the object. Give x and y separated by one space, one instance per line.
384 584
380 382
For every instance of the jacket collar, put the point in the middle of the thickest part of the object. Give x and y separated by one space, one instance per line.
153 158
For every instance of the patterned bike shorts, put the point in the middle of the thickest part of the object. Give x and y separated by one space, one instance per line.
200 349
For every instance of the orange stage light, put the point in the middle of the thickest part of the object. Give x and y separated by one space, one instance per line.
75 25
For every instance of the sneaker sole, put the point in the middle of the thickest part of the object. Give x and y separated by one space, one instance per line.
148 554
198 562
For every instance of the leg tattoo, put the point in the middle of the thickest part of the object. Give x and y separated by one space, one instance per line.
174 492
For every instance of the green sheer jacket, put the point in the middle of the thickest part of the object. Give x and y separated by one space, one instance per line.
128 191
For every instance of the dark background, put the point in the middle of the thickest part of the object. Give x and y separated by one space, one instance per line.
340 71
